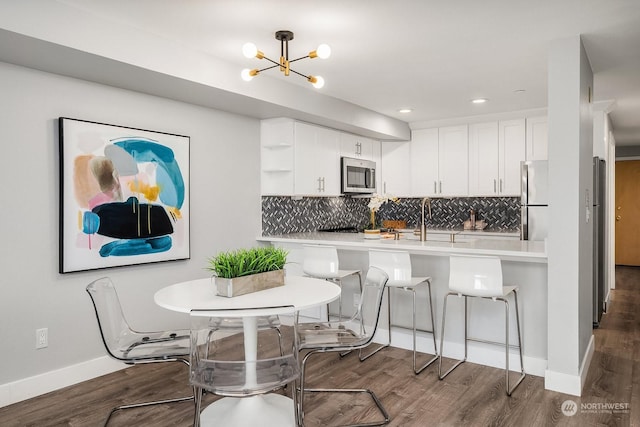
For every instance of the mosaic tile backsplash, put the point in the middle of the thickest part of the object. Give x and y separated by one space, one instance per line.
281 215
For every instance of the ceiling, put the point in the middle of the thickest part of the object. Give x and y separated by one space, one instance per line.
430 56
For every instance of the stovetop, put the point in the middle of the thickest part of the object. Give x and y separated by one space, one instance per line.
340 230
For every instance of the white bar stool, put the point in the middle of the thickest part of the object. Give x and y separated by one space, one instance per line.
481 277
321 262
397 265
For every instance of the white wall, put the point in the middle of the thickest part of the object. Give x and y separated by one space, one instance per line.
570 239
225 213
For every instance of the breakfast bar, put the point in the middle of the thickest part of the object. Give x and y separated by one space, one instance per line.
524 264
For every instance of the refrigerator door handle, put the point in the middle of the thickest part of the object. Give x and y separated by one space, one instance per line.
524 229
524 193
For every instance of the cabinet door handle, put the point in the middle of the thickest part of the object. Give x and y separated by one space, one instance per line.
435 187
319 184
323 184
500 185
384 187
440 187
495 189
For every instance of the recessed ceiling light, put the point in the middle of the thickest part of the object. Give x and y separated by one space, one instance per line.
479 100
405 110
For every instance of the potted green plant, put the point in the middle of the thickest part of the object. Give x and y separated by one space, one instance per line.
243 271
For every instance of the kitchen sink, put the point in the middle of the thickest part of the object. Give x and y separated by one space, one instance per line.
431 237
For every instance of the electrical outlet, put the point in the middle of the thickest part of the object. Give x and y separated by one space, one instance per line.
356 299
42 338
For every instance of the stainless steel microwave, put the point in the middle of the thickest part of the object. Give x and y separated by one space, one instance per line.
358 176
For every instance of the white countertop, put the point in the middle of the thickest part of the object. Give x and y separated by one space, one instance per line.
437 244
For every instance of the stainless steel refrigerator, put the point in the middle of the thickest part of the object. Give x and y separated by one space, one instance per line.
599 179
534 209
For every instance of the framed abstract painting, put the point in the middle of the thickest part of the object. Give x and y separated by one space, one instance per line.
124 196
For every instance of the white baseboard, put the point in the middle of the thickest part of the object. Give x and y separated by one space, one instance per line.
53 380
483 354
567 383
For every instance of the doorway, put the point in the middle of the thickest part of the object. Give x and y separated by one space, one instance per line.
627 213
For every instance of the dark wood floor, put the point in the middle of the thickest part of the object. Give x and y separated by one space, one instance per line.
473 395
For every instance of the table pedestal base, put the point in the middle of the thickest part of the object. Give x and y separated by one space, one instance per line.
265 411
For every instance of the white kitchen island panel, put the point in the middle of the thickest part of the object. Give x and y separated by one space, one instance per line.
524 264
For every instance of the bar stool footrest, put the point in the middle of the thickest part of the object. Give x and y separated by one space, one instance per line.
458 363
363 358
520 378
425 366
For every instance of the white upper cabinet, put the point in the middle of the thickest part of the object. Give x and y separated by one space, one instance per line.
376 156
317 160
537 138
439 162
276 157
483 159
357 146
424 162
453 161
299 159
395 169
495 152
511 152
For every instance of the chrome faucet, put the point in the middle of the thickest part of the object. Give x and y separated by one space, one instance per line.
423 225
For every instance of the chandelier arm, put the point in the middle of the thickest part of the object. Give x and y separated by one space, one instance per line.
298 59
268 68
272 61
300 74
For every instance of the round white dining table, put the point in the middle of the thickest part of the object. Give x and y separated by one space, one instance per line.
300 292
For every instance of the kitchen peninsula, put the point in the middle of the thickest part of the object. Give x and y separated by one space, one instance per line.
524 264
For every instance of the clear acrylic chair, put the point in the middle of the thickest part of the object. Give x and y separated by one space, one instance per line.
397 265
322 262
130 346
480 277
232 356
345 336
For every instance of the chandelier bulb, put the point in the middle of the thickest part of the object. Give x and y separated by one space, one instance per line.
324 51
249 50
248 75
316 81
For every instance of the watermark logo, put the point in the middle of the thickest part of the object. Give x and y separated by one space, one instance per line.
569 408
